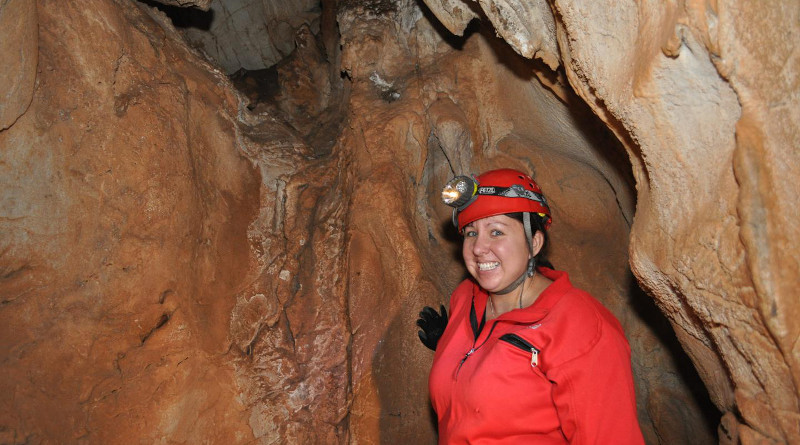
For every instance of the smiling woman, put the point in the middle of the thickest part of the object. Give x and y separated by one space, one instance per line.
553 365
496 255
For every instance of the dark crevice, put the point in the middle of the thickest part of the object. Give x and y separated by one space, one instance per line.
294 92
160 323
10 273
163 297
183 18
259 86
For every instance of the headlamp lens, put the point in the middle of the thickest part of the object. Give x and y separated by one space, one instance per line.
458 191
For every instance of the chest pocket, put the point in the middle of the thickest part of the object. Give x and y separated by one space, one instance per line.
519 342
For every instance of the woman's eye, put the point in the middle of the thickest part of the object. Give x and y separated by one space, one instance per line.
496 232
470 233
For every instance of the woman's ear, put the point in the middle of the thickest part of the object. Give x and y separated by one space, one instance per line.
537 242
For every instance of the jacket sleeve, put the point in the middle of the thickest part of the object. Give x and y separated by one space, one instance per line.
594 393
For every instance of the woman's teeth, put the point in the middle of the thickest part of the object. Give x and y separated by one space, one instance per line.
488 266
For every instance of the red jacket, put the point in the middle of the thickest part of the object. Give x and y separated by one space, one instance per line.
556 372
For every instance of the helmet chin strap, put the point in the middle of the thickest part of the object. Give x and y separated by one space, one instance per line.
531 269
527 273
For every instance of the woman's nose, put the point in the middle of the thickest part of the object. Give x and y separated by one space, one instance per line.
480 246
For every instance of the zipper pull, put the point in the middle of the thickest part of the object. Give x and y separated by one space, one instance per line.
534 358
467 356
458 368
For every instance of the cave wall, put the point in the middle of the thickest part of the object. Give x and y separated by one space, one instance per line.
153 232
123 221
176 267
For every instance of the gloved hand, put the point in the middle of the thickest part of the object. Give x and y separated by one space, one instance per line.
432 324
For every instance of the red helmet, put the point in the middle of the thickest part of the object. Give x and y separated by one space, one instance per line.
497 192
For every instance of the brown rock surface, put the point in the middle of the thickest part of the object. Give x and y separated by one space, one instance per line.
124 213
177 268
18 55
153 236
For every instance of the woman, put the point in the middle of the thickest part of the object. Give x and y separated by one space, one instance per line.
525 357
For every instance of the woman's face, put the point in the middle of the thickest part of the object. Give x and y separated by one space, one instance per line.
495 251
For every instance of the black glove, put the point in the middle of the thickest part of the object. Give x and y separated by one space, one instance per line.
432 324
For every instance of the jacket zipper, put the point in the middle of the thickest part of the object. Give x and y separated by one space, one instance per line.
474 348
521 343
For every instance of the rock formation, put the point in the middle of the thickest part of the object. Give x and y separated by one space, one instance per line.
125 206
181 261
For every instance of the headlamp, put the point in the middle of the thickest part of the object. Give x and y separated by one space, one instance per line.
459 191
